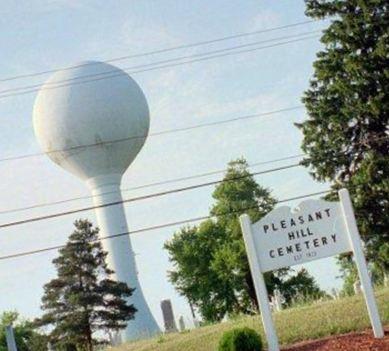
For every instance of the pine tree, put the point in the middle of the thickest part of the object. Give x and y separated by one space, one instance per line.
82 299
346 134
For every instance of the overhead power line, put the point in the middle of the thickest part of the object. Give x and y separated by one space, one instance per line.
162 132
174 180
143 197
114 73
160 51
163 182
162 66
160 226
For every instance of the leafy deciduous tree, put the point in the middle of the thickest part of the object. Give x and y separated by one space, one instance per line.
27 339
211 267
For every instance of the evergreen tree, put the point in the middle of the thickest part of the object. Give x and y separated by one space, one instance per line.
346 134
82 299
210 264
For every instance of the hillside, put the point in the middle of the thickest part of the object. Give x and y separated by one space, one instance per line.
295 324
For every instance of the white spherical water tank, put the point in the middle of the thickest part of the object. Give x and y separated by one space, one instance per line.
93 123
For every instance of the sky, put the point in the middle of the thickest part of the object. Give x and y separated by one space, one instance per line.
44 35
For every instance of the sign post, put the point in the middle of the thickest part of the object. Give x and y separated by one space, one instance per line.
9 335
360 262
259 283
314 230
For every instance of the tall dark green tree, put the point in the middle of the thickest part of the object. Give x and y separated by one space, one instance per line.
210 263
82 299
346 134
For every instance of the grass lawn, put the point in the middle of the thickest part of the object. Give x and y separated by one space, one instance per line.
295 324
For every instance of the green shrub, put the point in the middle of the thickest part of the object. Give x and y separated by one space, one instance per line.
241 339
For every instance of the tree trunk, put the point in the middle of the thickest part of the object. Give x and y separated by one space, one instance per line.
251 290
89 339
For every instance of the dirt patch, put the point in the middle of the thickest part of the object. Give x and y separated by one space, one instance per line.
363 341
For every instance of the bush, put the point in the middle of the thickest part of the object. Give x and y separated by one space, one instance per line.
241 339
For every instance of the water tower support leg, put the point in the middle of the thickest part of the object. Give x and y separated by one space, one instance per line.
112 221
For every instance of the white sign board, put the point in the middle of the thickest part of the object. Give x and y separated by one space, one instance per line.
315 229
286 237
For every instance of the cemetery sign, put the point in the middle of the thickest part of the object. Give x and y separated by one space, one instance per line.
314 230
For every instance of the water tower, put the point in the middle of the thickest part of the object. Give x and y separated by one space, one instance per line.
94 127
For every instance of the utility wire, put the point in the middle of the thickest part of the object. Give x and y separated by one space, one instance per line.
162 132
161 67
174 180
163 182
143 197
160 226
115 73
159 51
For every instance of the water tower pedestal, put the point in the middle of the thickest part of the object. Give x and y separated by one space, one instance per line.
112 221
